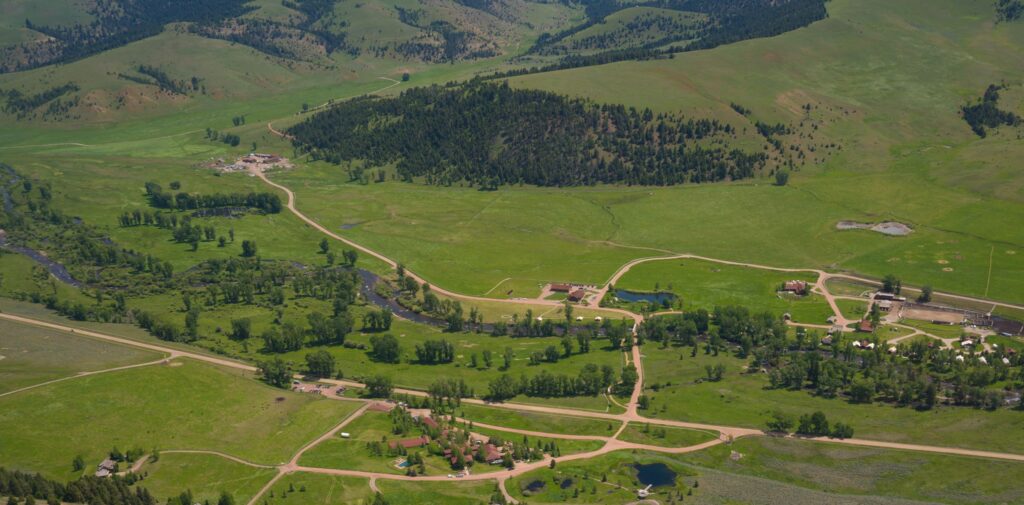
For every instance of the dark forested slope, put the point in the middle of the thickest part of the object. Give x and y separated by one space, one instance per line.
490 134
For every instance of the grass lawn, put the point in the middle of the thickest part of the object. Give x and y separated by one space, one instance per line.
742 399
316 489
852 309
868 471
448 493
206 475
703 284
565 446
597 403
32 355
665 436
185 405
548 423
844 287
939 330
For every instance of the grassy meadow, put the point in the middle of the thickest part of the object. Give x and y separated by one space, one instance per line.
183 405
316 489
857 471
643 433
32 355
205 475
535 421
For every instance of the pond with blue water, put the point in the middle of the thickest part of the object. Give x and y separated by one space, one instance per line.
660 298
655 474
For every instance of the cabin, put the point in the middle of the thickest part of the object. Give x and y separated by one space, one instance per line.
865 326
560 288
884 305
577 295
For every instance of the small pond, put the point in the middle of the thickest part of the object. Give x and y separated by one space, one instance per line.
535 486
655 474
659 298
567 483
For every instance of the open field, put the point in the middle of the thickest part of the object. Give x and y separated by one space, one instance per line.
455 493
34 355
703 284
565 446
743 399
872 472
642 433
316 489
205 475
533 421
185 405
852 309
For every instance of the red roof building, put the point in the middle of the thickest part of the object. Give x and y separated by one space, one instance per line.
410 443
491 454
429 422
865 326
577 295
798 287
560 288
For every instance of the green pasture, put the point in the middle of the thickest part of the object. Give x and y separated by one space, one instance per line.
316 489
535 421
665 436
704 284
183 405
22 275
452 492
843 287
205 475
939 330
565 446
852 309
32 355
743 399
866 472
